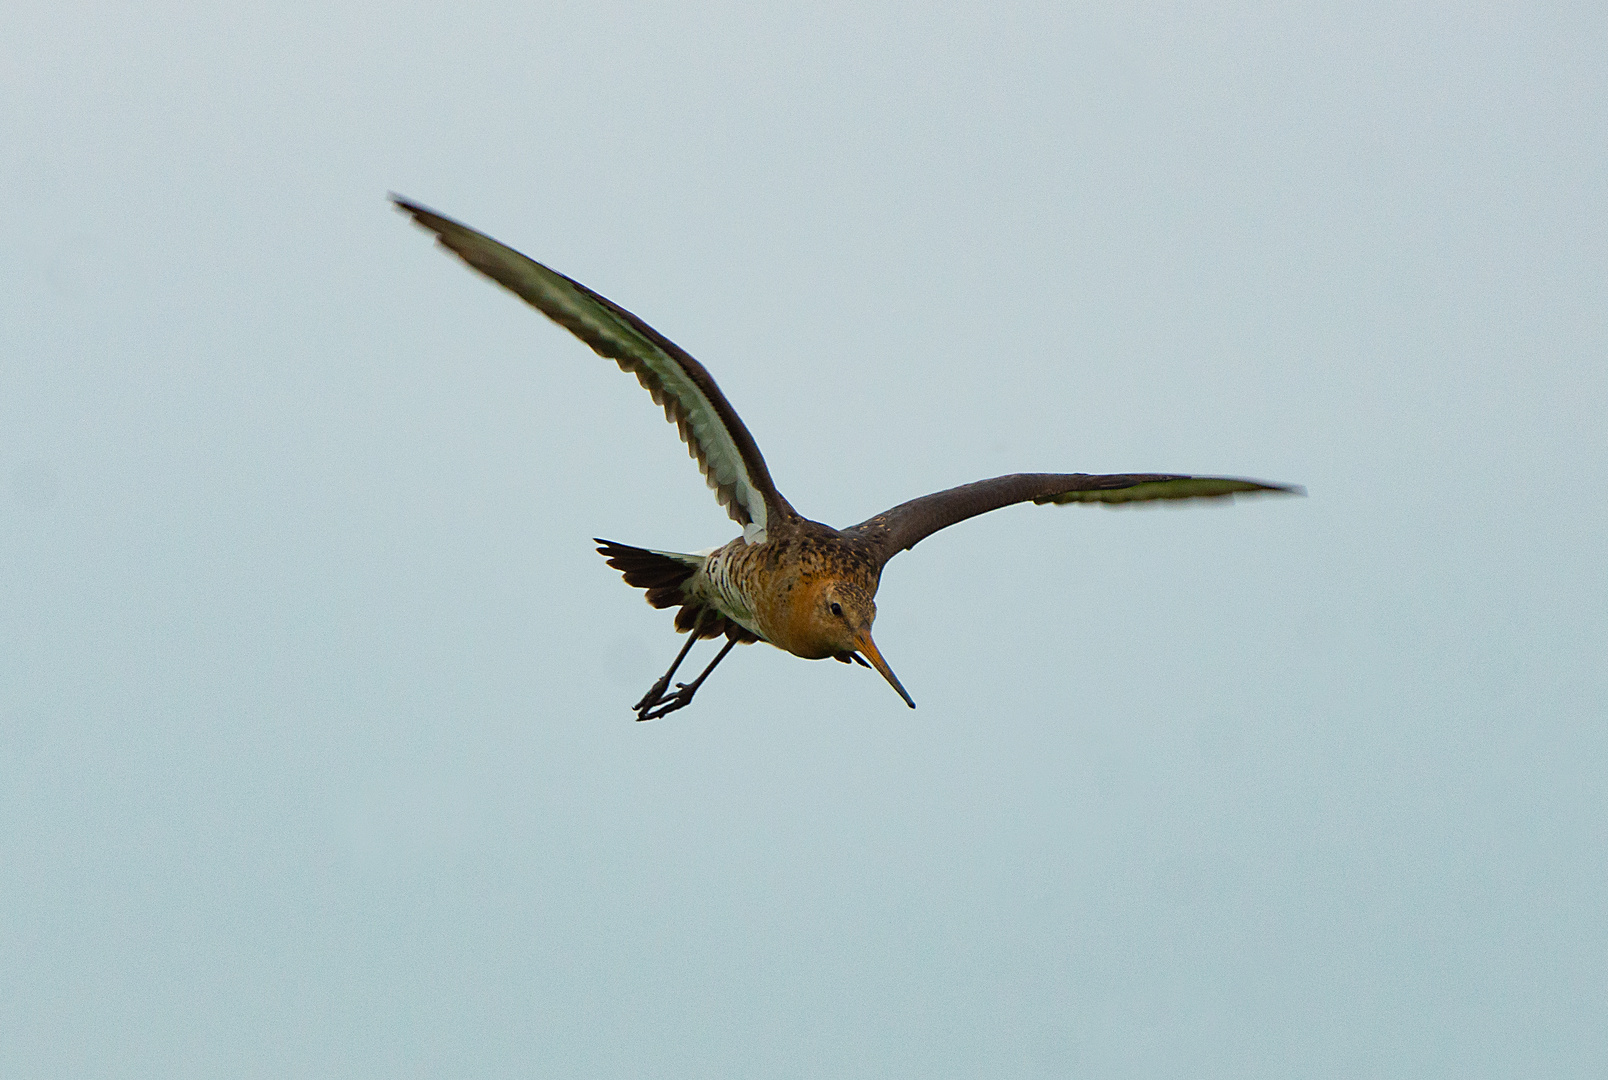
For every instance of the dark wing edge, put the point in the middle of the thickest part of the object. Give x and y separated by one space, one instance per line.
907 524
715 435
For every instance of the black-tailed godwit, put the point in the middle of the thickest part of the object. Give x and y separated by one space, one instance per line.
802 586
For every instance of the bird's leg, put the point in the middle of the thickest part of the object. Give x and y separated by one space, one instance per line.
655 692
683 696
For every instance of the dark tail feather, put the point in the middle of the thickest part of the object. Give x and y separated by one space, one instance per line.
662 574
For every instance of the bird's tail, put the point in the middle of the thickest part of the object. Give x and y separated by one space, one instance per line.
662 574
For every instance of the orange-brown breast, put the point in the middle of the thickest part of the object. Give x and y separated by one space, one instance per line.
790 611
779 584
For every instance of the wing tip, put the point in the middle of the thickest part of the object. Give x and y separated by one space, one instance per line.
427 219
1232 496
1263 488
1169 490
404 205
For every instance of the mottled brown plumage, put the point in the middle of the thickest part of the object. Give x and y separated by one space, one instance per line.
798 584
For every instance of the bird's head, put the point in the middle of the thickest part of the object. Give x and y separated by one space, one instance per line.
840 619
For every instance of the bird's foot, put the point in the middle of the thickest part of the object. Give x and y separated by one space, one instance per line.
654 695
658 704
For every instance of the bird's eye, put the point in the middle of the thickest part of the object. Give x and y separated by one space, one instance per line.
837 608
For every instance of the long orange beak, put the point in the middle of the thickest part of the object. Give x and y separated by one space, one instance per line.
868 648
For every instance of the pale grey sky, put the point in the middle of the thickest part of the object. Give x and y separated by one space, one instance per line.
316 752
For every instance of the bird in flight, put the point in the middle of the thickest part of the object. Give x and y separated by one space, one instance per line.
795 583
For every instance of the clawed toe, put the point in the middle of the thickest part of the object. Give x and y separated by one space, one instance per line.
654 695
659 704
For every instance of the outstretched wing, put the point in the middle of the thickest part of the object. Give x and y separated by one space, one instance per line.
710 427
907 524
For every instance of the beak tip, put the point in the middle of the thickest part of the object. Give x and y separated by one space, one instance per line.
869 648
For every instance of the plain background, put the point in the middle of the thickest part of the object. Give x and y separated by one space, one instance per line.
316 756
